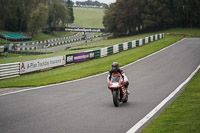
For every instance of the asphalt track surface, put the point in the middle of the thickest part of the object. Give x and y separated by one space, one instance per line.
85 106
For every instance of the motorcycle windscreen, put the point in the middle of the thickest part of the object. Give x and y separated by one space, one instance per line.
115 79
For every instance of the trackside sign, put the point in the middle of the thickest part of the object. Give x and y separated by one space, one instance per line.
79 57
35 65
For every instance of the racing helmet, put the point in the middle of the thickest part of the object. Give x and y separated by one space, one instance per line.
115 66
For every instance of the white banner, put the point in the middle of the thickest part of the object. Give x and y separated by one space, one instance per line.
35 65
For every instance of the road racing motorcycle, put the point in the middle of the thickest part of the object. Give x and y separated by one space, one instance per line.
115 85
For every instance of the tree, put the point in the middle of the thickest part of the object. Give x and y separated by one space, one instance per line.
17 15
58 14
71 12
133 10
156 15
123 17
38 18
109 19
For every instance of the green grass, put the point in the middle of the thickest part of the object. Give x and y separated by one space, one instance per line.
189 32
87 68
183 115
89 17
3 41
98 33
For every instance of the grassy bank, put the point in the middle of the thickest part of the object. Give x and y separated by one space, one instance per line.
41 36
87 68
88 17
183 115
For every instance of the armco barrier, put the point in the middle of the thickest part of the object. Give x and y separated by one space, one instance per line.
9 70
15 69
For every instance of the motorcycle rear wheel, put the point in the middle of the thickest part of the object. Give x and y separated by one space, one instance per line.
115 98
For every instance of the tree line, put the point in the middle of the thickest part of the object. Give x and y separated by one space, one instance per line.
126 17
33 15
91 3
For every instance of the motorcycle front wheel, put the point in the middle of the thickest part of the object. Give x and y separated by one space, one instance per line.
116 98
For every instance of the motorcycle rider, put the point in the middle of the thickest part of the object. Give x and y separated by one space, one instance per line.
116 69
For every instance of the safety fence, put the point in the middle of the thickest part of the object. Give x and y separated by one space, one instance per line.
103 52
19 68
9 70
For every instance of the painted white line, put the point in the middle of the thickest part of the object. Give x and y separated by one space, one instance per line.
159 106
36 88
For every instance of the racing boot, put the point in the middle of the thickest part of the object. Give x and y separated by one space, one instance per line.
124 91
126 86
128 92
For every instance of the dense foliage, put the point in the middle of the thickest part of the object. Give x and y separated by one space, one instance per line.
126 17
33 15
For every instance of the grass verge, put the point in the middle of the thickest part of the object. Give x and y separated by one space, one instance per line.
87 68
183 115
189 32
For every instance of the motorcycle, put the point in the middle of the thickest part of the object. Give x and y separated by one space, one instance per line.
115 85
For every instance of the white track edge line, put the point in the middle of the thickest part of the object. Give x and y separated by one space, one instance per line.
160 105
36 88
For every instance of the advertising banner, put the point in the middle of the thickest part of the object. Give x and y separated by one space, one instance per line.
79 57
35 65
77 29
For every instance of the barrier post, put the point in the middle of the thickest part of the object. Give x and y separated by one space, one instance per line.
129 45
110 50
121 47
137 43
